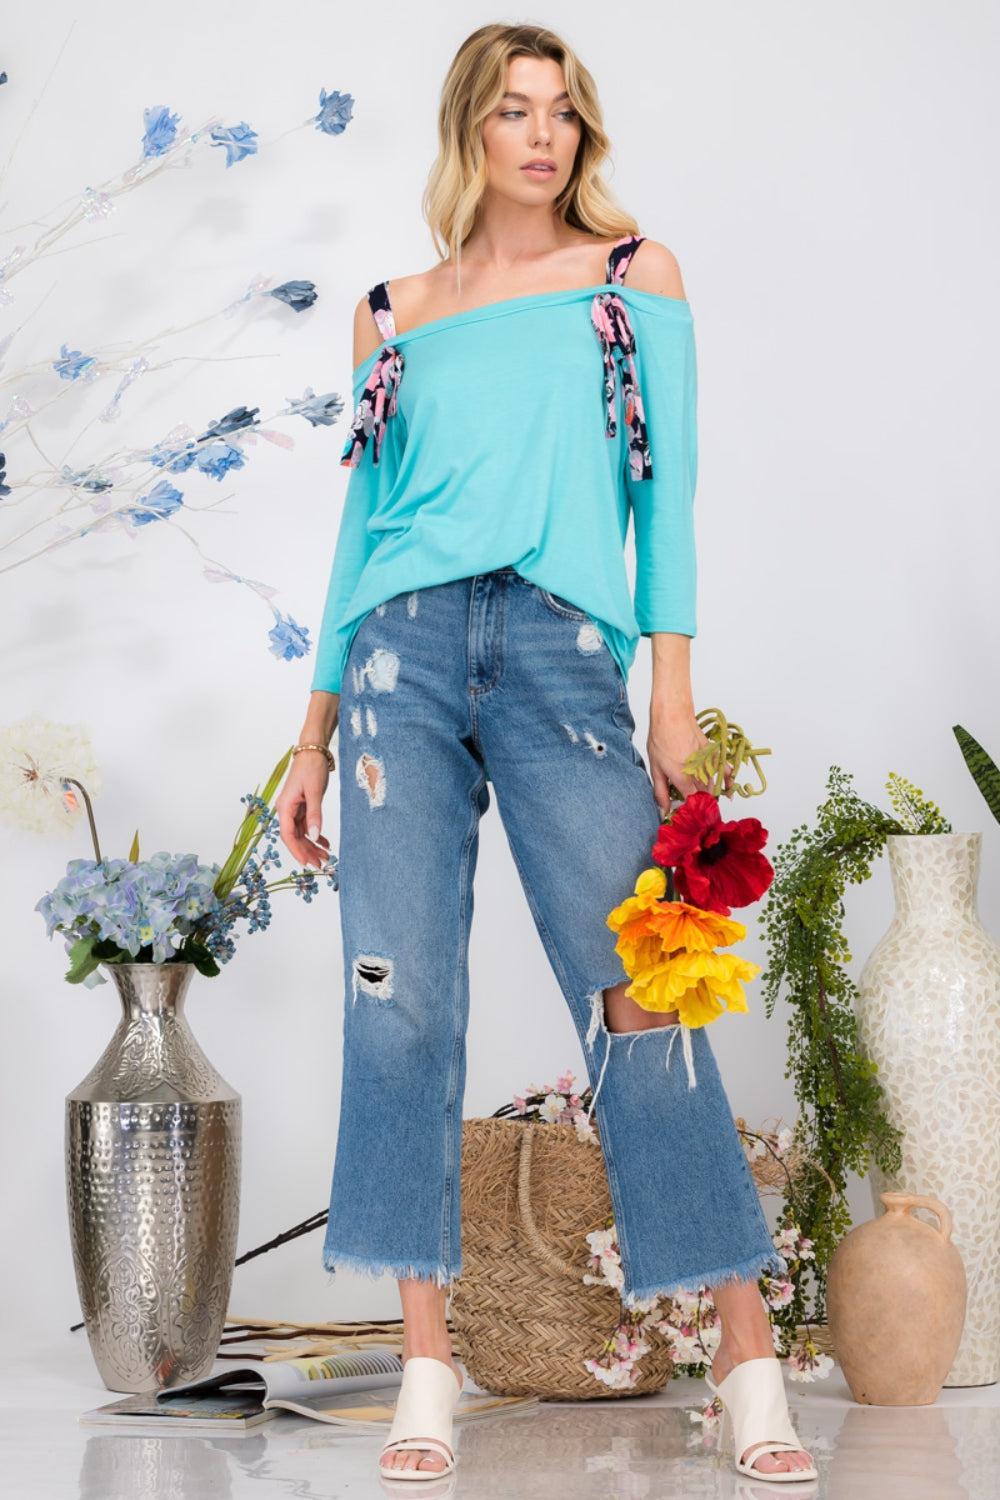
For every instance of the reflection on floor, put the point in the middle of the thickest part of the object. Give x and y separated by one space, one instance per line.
632 1448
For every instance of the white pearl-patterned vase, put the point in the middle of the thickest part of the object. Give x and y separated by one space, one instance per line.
929 1016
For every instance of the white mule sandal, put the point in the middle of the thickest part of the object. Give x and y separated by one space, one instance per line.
428 1395
755 1412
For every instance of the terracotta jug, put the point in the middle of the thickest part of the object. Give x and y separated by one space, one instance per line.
895 1303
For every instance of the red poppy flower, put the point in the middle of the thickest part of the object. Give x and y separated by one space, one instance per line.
716 865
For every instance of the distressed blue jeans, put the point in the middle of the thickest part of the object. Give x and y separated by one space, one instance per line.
490 680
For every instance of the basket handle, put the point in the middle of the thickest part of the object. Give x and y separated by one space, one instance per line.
548 1255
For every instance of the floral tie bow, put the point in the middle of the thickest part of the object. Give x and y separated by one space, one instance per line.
610 318
377 403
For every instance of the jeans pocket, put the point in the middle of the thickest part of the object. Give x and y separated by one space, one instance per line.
562 607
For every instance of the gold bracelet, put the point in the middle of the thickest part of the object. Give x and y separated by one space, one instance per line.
323 749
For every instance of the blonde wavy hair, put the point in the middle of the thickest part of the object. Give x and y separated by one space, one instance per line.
474 86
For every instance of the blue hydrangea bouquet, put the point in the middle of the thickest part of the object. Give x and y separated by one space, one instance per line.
171 908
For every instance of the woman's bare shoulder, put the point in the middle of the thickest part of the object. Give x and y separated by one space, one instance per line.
408 297
655 268
420 297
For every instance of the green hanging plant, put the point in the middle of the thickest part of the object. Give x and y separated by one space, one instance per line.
841 1121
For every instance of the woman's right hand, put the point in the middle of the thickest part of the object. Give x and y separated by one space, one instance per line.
299 806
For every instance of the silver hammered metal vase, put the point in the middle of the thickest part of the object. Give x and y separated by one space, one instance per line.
929 1016
153 1146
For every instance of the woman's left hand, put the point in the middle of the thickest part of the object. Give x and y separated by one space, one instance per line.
674 735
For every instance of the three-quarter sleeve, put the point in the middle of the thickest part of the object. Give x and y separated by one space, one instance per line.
663 505
367 484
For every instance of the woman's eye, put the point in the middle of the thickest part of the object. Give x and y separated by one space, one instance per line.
510 114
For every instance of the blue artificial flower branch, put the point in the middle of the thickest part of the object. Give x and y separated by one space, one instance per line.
172 908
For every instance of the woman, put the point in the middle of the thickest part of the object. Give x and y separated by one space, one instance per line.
513 405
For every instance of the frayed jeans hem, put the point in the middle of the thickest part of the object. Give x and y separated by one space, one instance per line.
745 1270
419 1270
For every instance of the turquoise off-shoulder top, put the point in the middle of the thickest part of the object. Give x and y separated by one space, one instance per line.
525 432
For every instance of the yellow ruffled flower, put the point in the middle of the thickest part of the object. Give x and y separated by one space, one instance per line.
699 986
668 951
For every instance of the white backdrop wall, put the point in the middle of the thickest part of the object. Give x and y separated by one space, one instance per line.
823 175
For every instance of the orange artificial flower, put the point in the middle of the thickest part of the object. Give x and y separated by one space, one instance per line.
668 951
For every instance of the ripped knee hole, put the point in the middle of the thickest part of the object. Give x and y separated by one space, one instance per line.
631 1023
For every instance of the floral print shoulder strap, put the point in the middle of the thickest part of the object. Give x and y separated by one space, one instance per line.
610 318
378 301
378 400
621 255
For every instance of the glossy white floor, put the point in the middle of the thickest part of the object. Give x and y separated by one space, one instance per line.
635 1448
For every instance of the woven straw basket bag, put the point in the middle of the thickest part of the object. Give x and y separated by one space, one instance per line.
522 1316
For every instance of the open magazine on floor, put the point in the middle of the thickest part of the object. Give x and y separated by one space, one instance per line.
357 1389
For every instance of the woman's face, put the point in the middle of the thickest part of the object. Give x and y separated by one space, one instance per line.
534 120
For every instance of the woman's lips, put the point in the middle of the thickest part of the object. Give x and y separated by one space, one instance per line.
539 171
